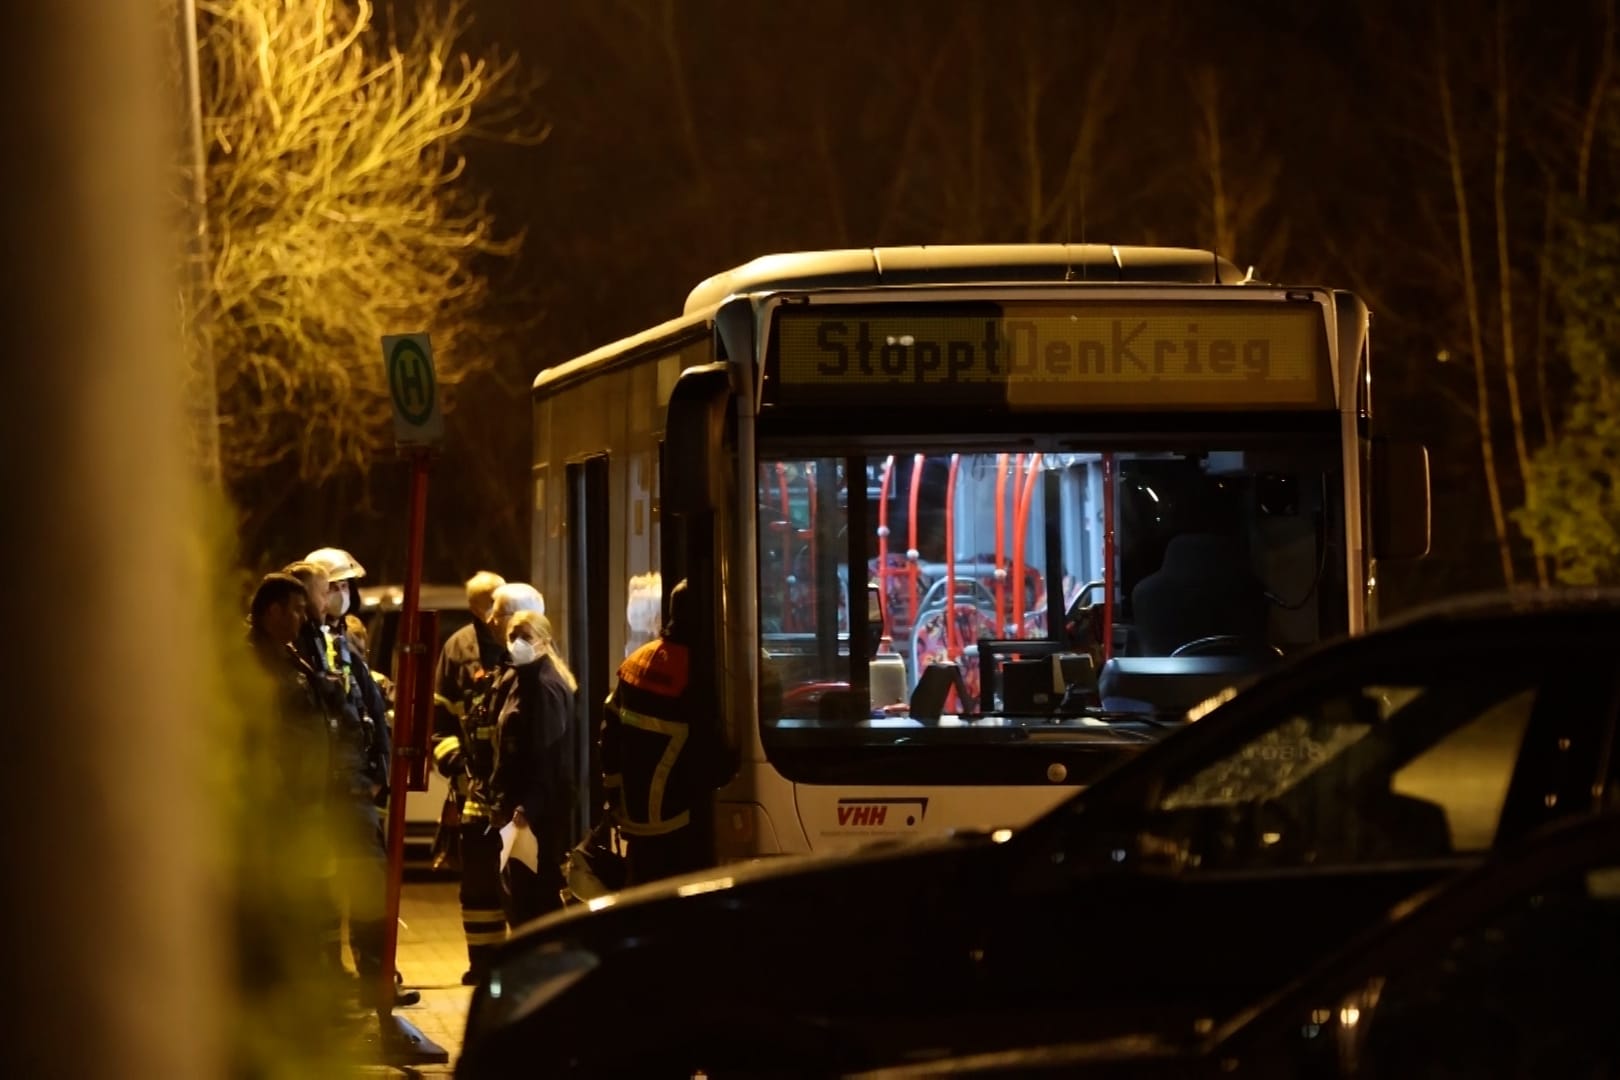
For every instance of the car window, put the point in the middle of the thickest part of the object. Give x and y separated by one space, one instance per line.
1407 769
1466 773
383 631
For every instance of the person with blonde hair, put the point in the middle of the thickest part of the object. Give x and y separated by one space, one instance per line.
532 780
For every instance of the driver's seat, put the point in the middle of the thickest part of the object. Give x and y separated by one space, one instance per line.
1205 588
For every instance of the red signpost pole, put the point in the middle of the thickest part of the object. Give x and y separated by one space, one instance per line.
397 1035
418 426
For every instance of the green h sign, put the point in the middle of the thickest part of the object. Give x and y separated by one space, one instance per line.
414 389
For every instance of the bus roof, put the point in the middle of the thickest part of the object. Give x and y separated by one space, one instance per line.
623 349
963 264
954 264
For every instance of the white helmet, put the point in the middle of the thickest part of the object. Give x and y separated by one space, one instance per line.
338 564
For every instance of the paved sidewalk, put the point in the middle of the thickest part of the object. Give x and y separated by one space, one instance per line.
432 956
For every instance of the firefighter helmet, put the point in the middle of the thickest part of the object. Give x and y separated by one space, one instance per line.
338 564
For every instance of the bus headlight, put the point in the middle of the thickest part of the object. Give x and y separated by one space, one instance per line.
519 986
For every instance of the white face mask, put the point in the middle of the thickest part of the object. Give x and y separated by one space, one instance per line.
523 651
337 599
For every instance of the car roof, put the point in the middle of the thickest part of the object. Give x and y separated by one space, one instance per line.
1489 621
1551 603
1524 615
430 598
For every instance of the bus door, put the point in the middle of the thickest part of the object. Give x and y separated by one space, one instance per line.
588 623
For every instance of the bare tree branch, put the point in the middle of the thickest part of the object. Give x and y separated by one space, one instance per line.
338 214
1594 105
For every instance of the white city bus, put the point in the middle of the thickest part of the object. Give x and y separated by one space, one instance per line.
1092 486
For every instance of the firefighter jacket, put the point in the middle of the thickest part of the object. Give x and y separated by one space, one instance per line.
466 671
660 745
532 768
359 728
479 742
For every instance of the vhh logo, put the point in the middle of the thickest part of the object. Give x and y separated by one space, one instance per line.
876 813
863 815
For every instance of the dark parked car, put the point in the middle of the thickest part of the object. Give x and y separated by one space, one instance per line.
1510 970
1217 865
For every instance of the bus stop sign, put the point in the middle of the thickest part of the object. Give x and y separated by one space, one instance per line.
413 389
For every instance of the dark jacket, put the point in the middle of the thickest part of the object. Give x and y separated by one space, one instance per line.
660 745
300 747
532 769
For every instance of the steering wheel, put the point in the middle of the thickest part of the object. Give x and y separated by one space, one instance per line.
1223 645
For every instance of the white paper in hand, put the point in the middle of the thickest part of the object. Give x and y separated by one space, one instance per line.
508 833
521 845
526 849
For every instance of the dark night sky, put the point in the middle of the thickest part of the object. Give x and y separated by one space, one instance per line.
827 123
612 201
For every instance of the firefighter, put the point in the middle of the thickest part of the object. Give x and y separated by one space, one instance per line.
467 667
360 758
311 640
294 868
310 646
661 751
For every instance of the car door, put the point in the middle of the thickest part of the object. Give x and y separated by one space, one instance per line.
1512 971
1340 789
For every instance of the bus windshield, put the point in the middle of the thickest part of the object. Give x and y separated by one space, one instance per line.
1004 594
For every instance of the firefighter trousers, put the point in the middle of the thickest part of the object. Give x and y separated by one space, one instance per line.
483 916
362 865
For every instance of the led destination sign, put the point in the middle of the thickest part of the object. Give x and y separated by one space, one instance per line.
1056 355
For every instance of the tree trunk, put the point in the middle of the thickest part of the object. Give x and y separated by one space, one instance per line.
113 922
1504 277
1476 335
1035 199
1207 85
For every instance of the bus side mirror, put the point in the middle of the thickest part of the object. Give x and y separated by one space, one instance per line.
1400 511
694 440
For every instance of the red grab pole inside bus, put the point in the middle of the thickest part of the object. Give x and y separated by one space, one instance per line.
810 497
953 640
1019 527
1001 543
883 546
1108 556
790 618
912 554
